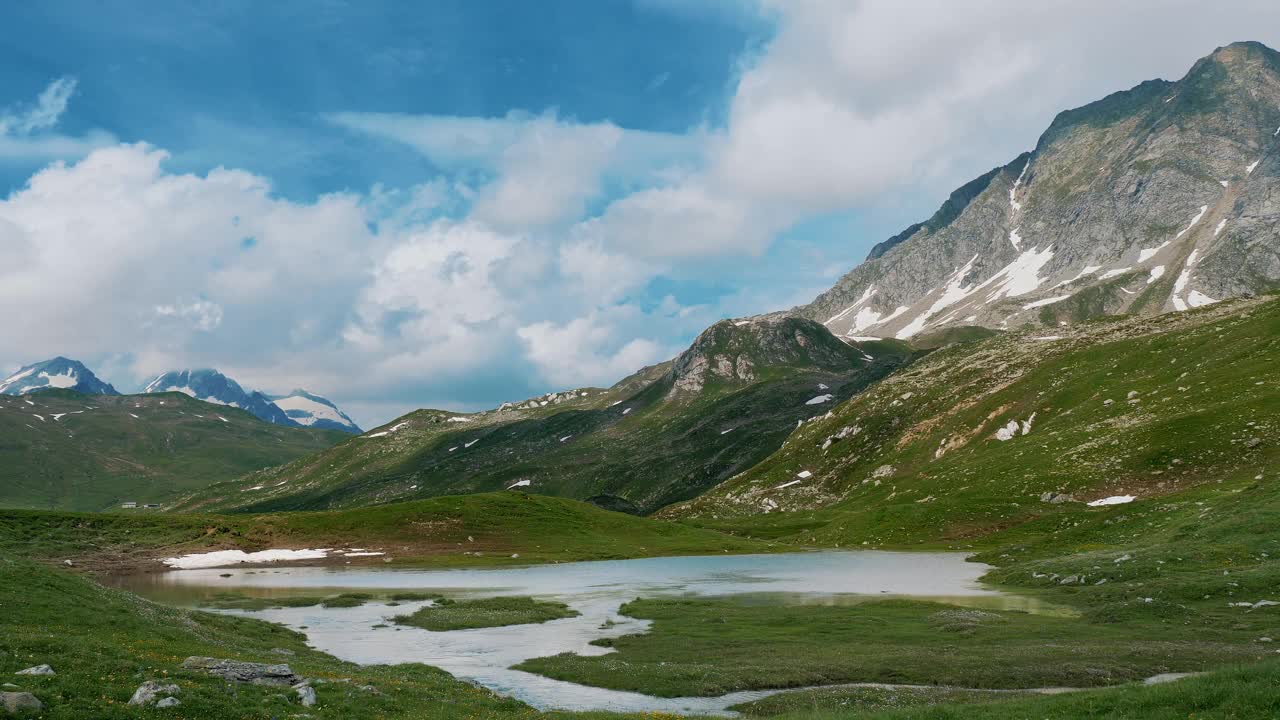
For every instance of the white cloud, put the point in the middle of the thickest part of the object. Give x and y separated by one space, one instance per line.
114 253
541 170
48 108
22 127
202 314
589 350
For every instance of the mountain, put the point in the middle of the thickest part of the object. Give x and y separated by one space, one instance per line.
663 435
214 387
314 411
1159 198
56 373
61 449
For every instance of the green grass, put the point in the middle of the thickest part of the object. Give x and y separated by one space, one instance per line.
844 702
105 450
448 614
239 601
716 646
346 600
491 529
1244 693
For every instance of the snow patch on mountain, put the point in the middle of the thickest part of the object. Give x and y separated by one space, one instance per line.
311 410
58 372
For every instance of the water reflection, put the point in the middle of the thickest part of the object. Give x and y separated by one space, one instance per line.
595 589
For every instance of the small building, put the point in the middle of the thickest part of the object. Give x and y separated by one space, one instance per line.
129 505
151 505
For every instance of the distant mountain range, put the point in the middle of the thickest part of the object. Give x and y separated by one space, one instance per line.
56 373
297 409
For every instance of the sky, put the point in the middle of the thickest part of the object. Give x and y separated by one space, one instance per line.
464 202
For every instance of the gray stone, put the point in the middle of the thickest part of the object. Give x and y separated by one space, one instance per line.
169 702
239 671
20 702
37 670
147 692
306 694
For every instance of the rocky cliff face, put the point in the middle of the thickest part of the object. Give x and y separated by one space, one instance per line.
1160 198
743 351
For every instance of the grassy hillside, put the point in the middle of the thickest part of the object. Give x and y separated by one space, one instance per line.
1148 407
662 436
472 529
60 449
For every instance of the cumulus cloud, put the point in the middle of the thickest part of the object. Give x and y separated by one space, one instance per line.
362 294
590 350
115 253
537 170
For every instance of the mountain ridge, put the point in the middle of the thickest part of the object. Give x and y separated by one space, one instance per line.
662 435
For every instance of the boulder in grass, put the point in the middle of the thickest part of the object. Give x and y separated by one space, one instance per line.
248 672
169 702
306 694
148 691
19 702
37 670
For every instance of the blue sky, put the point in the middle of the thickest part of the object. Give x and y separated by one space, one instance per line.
454 204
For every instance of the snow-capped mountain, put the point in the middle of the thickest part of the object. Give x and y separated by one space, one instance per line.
311 410
59 372
1159 198
212 386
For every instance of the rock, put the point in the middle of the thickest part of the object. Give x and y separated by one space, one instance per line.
239 671
1132 394
68 563
37 670
306 695
1056 498
371 689
283 651
20 702
169 702
147 692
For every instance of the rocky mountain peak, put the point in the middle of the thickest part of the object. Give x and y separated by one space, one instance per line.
1157 198
741 351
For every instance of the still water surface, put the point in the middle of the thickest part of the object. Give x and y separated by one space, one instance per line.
595 589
